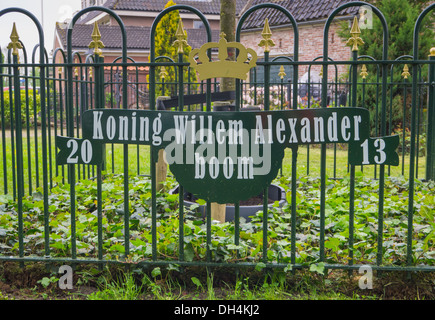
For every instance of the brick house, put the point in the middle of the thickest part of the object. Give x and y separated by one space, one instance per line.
138 16
311 17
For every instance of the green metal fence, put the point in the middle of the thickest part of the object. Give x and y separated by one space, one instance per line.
42 99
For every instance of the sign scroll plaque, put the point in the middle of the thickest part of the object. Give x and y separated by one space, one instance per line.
225 157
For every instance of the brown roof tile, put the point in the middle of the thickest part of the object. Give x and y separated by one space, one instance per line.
302 10
205 6
138 38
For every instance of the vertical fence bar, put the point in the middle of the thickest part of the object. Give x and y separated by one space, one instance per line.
208 204
71 167
35 122
2 110
76 110
49 103
352 167
383 132
267 41
61 112
152 102
29 158
19 150
42 77
100 213
294 159
180 187
419 104
430 133
404 123
126 162
12 129
55 114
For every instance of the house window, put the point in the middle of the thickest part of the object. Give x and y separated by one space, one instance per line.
258 73
198 24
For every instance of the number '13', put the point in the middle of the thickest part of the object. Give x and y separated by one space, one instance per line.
380 157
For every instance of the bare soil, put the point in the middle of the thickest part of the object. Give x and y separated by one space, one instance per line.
21 283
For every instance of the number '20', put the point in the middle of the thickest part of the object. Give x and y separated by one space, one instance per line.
85 151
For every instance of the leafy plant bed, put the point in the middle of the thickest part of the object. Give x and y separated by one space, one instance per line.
223 247
248 208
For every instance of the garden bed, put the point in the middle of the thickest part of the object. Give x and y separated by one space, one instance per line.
223 248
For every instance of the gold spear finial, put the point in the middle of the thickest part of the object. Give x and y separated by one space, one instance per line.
163 73
281 73
266 42
364 72
96 42
15 41
181 36
355 40
405 73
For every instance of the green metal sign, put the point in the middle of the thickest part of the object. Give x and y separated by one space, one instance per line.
78 151
226 157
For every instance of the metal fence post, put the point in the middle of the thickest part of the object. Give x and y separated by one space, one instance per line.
430 149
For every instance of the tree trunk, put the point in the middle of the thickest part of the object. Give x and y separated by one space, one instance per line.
228 26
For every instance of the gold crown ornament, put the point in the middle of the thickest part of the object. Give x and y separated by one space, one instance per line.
223 68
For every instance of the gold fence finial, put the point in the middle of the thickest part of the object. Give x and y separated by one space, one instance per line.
181 36
266 42
281 73
96 42
15 41
364 72
163 73
405 73
432 52
355 40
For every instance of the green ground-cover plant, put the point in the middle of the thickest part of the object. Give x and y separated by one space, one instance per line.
223 246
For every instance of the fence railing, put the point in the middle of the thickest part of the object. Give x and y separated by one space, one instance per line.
64 212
